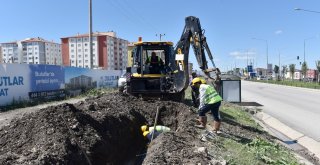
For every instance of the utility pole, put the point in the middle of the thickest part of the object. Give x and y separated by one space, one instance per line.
160 35
90 34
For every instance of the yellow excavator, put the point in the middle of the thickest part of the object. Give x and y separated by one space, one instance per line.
167 76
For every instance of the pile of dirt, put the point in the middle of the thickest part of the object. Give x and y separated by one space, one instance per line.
106 130
100 130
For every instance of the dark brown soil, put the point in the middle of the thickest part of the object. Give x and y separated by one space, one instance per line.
106 130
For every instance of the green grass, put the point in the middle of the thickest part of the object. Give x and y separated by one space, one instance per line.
97 92
302 84
242 150
258 151
238 115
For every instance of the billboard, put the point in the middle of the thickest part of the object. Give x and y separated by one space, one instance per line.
14 83
23 82
47 82
269 69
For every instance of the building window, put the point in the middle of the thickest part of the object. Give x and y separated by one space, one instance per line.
79 50
86 50
79 39
85 44
72 45
72 50
79 45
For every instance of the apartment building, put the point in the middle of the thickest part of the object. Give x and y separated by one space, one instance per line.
108 51
32 51
9 52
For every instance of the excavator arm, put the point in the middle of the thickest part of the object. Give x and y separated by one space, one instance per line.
193 35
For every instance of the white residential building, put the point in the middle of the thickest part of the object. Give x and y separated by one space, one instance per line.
32 51
10 52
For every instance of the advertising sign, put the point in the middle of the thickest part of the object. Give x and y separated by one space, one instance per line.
47 82
250 69
23 82
269 69
14 83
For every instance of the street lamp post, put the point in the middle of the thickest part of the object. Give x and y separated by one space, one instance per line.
266 49
160 35
312 11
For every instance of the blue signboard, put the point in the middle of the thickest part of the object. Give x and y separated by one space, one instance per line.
250 68
46 77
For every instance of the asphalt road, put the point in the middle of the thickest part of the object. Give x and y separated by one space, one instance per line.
298 108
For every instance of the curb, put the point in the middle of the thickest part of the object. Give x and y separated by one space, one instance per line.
312 145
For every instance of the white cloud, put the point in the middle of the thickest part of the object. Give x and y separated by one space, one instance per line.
278 32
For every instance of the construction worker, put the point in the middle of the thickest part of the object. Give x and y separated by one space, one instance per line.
148 131
155 63
210 100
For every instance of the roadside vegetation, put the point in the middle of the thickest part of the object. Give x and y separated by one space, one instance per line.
246 142
302 84
259 149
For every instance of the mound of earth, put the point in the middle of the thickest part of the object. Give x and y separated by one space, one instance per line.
106 130
100 130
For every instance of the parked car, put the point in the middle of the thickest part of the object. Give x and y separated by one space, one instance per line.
264 78
121 82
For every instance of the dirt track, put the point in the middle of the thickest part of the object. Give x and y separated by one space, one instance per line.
106 129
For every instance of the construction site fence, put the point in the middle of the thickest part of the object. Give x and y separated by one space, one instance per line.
27 83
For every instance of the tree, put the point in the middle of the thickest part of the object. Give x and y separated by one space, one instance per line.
304 68
318 68
292 68
276 71
284 70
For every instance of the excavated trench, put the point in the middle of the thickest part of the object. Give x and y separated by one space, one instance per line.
100 130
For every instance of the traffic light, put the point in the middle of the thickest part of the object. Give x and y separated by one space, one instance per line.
297 57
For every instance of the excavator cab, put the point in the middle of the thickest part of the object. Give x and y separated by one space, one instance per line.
149 74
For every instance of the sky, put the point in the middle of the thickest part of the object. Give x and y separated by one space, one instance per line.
230 25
